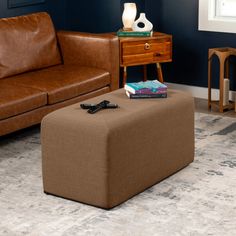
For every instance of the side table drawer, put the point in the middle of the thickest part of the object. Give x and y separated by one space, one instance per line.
136 51
145 52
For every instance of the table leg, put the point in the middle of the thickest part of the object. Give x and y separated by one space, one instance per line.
159 72
209 82
144 72
222 66
227 68
124 75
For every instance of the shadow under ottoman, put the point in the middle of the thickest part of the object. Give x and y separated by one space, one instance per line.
106 158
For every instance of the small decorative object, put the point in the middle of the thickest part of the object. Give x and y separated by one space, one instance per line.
128 16
142 20
226 92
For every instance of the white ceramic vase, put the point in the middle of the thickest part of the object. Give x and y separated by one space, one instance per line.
142 19
129 15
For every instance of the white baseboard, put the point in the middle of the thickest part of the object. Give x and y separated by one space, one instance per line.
200 92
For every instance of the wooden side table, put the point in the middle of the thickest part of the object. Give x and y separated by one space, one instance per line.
223 56
145 50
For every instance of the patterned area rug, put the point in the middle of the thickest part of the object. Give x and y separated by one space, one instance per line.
198 200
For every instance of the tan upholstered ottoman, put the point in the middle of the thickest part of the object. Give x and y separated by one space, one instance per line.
105 158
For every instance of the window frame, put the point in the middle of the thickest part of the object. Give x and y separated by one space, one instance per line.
208 21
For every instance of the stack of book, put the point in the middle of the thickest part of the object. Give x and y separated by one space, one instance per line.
131 33
147 89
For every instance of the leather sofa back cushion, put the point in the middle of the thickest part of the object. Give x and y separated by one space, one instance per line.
27 43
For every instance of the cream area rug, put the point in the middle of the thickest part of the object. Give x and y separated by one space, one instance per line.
198 200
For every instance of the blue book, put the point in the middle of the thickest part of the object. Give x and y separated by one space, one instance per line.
147 87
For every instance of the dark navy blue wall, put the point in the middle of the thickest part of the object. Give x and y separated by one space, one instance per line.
97 15
179 18
190 46
92 16
57 10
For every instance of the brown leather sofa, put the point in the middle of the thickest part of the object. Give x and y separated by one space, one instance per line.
42 70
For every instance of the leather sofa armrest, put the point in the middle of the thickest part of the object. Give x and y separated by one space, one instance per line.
96 50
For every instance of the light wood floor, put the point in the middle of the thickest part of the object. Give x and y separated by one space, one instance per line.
201 106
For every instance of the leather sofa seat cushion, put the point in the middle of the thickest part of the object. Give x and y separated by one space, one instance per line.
15 100
27 43
64 82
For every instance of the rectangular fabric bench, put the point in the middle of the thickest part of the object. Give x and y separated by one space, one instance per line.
106 158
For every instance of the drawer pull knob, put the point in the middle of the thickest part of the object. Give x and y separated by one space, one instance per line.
158 54
147 46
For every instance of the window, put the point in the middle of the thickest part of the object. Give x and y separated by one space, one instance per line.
217 15
226 8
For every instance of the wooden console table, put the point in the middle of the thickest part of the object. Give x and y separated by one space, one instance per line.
223 56
145 50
